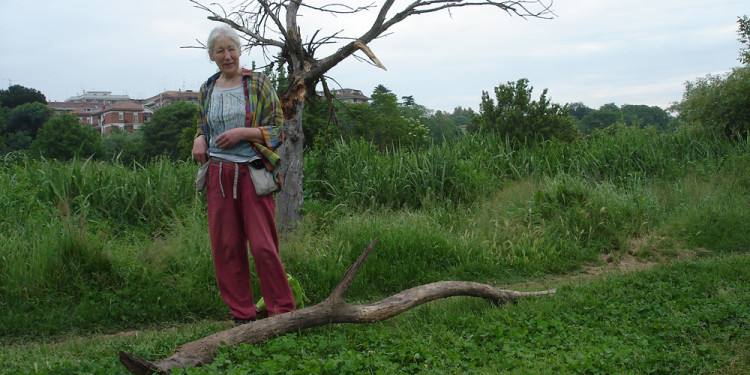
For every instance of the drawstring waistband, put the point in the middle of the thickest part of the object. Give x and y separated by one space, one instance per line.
236 176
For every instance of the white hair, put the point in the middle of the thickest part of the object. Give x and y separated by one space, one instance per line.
219 32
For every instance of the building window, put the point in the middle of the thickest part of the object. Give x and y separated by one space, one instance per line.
122 116
135 117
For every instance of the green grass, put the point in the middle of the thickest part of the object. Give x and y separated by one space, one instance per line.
687 317
90 249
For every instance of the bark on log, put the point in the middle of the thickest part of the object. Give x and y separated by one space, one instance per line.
331 310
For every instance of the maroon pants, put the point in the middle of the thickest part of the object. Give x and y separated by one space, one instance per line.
237 216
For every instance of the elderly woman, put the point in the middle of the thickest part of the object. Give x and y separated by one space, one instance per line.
239 129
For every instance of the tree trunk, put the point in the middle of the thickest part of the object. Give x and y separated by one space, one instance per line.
289 200
332 310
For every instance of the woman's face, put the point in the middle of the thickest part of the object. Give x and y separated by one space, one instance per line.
226 55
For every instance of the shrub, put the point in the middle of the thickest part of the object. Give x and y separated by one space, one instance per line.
63 137
519 118
719 102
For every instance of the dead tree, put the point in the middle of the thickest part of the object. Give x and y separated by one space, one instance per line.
268 24
332 310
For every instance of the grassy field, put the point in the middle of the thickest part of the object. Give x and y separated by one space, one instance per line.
98 257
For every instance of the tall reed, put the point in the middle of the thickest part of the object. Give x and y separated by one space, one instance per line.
456 172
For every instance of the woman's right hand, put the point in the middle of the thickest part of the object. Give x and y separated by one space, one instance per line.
200 149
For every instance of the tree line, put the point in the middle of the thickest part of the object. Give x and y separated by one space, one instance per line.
27 124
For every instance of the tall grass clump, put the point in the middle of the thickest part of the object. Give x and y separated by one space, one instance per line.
90 245
711 211
359 175
113 194
362 177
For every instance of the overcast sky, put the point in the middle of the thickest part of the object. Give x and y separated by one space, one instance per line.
593 51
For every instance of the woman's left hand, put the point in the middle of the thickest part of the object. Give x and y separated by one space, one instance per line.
231 137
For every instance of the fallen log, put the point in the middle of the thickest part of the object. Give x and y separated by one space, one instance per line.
332 310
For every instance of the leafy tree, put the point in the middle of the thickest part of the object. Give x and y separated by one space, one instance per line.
578 110
744 32
519 118
63 137
719 102
441 127
28 117
17 95
185 144
413 110
607 115
124 146
380 89
643 115
319 129
383 123
16 141
461 116
163 134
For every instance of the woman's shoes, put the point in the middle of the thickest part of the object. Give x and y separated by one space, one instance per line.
238 321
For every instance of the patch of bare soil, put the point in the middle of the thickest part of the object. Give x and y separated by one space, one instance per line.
642 254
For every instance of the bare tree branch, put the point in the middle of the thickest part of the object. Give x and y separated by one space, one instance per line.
364 48
345 9
260 39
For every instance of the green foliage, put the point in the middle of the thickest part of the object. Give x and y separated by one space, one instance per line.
124 146
643 115
718 102
276 72
165 133
3 112
317 123
84 247
16 141
461 116
17 95
382 122
441 126
578 110
380 89
28 118
385 122
519 118
744 32
607 115
358 176
610 114
63 137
